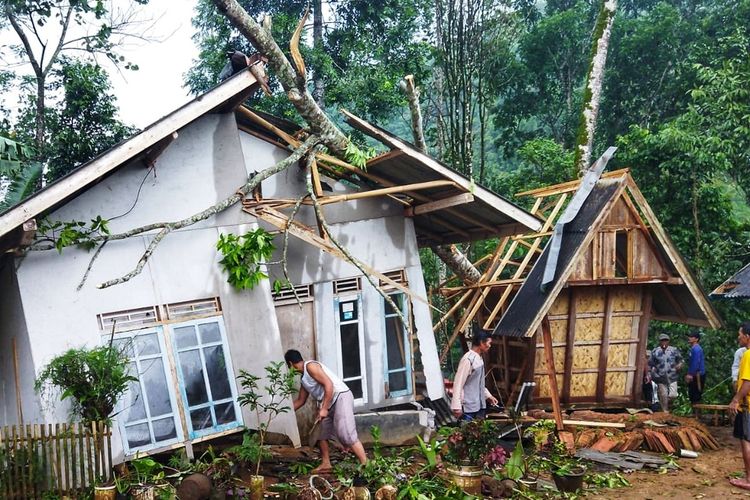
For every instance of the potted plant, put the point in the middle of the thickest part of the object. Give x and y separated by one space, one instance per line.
522 469
567 471
267 404
464 451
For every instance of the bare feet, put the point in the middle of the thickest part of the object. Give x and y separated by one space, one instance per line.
323 468
740 483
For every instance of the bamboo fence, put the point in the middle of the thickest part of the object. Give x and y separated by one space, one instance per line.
65 459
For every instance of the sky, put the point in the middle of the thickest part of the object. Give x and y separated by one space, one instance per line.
156 89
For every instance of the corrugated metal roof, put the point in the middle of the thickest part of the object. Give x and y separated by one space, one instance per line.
736 287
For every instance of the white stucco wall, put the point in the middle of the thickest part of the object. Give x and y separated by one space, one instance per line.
204 165
376 232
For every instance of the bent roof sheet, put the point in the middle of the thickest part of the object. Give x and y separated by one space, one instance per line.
736 287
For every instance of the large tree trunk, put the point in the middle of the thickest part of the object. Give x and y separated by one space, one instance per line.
303 102
412 95
458 263
593 90
318 84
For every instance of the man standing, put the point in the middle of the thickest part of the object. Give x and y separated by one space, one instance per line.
469 392
696 374
739 405
335 406
665 362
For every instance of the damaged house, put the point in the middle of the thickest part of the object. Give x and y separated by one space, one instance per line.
191 331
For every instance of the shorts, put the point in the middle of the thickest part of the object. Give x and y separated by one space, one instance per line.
340 421
742 425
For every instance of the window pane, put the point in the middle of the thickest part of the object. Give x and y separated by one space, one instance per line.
394 338
225 413
164 429
133 402
209 333
124 345
192 374
217 372
138 435
155 384
397 381
356 387
348 311
185 336
398 300
201 419
350 350
146 345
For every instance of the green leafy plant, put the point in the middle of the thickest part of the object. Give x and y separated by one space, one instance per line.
244 255
93 379
267 402
358 156
429 450
540 432
606 480
301 468
469 443
74 233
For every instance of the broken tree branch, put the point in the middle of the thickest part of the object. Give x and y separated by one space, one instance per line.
167 227
458 263
353 260
412 94
300 98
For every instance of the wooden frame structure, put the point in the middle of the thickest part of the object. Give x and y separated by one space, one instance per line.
618 270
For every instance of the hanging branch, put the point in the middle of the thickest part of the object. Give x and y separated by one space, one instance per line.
284 269
353 260
296 91
592 92
167 227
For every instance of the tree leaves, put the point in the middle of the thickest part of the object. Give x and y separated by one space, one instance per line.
244 257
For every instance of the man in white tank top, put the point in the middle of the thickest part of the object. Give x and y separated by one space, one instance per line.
335 406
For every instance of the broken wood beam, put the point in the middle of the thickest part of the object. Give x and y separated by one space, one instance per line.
550 359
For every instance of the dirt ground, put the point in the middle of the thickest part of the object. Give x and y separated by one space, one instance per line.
704 477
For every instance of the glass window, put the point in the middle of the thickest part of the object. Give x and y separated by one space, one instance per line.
351 344
206 377
147 417
398 348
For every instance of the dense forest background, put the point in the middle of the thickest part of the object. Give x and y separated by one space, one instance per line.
501 92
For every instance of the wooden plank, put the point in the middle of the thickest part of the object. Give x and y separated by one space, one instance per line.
604 350
95 440
592 423
418 186
32 454
108 435
550 359
506 365
46 467
568 187
640 360
570 345
89 454
81 455
19 406
433 206
126 151
674 256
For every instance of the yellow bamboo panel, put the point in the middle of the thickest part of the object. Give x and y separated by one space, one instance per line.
560 305
615 384
586 356
589 299
559 330
583 384
626 298
618 355
542 382
589 328
540 363
623 328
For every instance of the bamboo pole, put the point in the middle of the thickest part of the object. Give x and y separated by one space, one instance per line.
19 406
95 438
550 359
89 458
109 451
58 472
82 454
74 458
45 459
32 460
19 473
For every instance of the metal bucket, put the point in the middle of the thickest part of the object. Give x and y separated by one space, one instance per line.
466 477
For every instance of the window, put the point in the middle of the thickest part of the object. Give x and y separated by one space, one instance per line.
351 345
147 417
397 352
206 381
621 254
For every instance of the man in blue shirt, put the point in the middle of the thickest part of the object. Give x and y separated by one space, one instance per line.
696 374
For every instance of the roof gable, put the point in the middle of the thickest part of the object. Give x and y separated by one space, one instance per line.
590 237
736 287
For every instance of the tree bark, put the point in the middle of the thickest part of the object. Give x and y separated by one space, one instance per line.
318 84
300 98
412 95
458 263
592 92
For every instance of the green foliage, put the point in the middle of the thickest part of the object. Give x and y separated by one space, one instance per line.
12 157
610 480
357 156
92 378
244 255
515 467
268 402
468 443
429 450
22 186
78 233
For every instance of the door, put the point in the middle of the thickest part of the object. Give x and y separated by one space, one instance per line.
297 328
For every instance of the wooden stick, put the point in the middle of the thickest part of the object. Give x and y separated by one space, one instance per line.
550 359
604 348
19 406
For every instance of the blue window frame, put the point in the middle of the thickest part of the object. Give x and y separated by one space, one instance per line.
204 369
351 345
146 413
397 354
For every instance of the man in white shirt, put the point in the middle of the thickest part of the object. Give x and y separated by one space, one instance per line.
469 392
